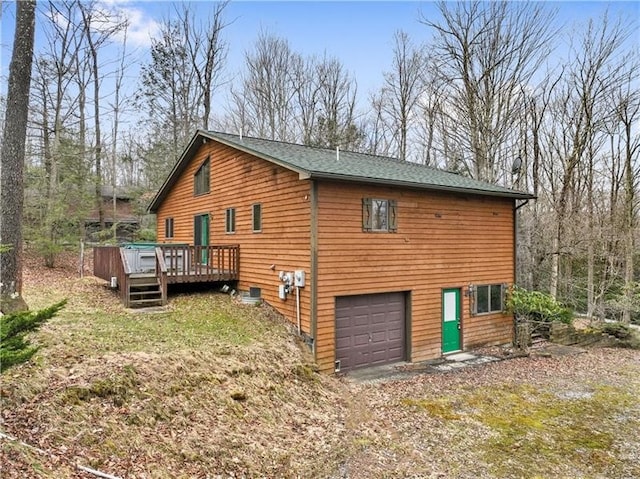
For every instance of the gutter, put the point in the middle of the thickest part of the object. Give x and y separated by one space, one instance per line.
420 186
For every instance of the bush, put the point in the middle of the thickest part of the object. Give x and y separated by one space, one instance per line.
14 348
536 306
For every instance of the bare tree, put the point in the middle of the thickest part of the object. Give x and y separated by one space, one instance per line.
403 88
485 52
98 29
12 154
56 70
593 72
335 124
207 52
627 113
268 90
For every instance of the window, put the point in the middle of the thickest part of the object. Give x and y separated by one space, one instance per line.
256 217
168 228
379 215
230 220
201 179
488 298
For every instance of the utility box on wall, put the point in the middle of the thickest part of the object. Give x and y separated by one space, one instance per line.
282 291
299 278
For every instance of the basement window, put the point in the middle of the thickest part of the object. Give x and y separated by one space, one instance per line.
488 298
379 215
201 179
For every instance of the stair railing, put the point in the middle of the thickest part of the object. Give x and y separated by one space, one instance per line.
124 272
161 273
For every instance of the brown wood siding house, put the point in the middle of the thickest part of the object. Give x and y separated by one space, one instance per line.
401 261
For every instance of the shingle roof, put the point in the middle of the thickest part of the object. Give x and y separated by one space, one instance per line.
323 163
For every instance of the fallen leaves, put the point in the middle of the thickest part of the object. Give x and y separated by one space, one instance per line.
213 388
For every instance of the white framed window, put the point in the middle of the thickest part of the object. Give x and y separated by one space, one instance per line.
488 298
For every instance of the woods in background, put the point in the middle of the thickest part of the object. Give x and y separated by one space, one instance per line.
478 93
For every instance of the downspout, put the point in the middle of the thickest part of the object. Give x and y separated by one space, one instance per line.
515 237
314 265
515 255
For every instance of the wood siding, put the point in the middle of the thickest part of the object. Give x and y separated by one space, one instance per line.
238 180
442 241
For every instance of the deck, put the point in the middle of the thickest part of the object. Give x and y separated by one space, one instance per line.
134 267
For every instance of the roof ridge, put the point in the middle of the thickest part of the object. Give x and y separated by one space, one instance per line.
321 148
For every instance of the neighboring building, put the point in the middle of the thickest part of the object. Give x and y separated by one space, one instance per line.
127 222
400 261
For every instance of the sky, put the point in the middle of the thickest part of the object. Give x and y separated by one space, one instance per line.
359 33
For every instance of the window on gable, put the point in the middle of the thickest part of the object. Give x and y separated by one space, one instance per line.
168 228
201 179
230 220
256 214
488 298
379 215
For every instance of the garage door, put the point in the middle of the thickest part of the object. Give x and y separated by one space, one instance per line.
369 330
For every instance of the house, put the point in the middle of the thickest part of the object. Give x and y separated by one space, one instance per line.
374 259
117 207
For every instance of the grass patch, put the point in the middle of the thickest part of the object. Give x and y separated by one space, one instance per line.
195 322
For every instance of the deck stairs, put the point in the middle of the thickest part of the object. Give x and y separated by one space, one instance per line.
144 291
141 273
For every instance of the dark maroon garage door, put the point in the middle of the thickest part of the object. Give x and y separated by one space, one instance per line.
369 330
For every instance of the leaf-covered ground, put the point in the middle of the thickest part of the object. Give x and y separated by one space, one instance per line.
213 388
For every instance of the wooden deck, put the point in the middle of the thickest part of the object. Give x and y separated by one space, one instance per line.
164 264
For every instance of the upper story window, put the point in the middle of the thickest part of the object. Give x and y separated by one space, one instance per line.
230 220
379 215
488 298
168 228
256 217
201 179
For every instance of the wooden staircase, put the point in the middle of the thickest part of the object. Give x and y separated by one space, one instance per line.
144 290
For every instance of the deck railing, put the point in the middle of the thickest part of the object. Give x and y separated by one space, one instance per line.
110 262
105 260
186 264
173 264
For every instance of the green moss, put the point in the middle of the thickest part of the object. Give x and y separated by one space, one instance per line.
440 408
306 372
534 430
118 388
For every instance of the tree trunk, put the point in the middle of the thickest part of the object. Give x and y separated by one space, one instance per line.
12 159
629 219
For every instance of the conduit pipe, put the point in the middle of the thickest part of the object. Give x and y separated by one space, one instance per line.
298 308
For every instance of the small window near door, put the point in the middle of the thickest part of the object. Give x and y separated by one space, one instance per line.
488 298
379 215
256 214
201 179
168 228
230 220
